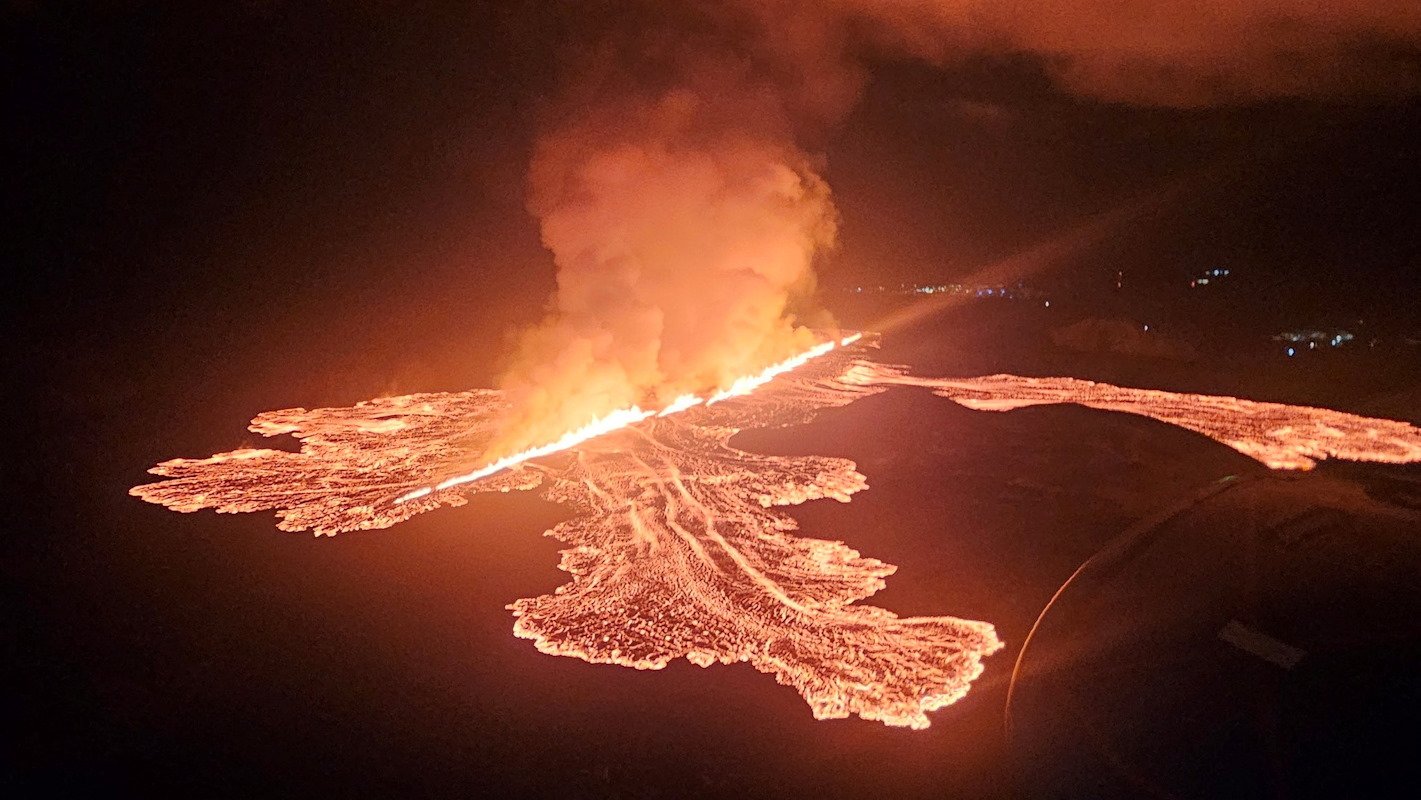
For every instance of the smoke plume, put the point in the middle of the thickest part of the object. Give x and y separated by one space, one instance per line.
684 222
1158 52
684 214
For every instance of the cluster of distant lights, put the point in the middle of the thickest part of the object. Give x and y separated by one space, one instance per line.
1208 275
1312 338
1295 339
997 290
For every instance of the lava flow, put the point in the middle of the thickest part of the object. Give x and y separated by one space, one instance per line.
623 417
676 546
676 550
1278 435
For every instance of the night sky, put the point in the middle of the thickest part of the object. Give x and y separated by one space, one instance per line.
216 209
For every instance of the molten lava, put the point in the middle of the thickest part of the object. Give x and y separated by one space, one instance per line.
623 417
677 547
1278 435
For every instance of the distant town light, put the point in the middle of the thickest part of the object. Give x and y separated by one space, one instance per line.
1204 278
1018 291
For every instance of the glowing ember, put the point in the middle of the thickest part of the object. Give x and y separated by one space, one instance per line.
677 548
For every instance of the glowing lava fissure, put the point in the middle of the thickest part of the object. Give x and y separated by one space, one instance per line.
677 547
624 417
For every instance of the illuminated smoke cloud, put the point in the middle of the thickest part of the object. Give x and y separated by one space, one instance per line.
1152 52
684 214
683 220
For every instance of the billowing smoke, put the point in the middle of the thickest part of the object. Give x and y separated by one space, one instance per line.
684 216
1161 52
684 221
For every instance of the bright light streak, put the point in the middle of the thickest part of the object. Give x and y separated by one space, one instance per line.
618 419
749 383
624 417
680 404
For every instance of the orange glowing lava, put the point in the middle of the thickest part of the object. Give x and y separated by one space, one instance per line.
624 417
677 547
1278 435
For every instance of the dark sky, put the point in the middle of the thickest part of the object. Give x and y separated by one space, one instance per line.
275 175
944 171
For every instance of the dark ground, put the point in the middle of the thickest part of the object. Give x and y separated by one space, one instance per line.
1158 668
217 656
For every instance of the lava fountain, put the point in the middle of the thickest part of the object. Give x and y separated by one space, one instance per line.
678 547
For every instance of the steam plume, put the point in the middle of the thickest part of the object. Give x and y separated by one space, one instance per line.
1151 52
683 220
684 216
